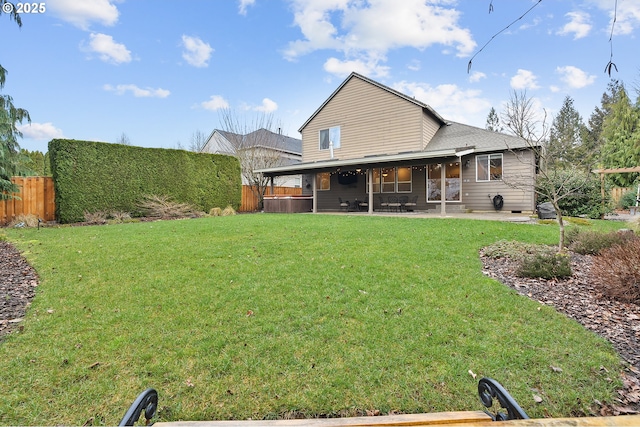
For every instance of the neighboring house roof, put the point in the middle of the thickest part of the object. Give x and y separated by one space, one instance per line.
262 138
381 86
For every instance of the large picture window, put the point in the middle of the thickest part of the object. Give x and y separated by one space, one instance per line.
489 167
331 135
451 182
323 181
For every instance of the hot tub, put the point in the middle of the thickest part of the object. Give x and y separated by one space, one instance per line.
288 203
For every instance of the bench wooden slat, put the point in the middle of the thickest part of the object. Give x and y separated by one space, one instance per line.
434 418
467 418
621 421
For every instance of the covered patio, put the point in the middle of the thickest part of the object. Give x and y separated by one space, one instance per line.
397 183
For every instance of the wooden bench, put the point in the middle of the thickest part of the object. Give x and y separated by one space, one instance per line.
488 390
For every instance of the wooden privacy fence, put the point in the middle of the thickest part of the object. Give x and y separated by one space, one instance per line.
250 201
618 192
36 197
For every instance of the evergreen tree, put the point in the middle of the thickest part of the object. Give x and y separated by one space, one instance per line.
565 142
621 135
592 139
10 116
493 121
36 163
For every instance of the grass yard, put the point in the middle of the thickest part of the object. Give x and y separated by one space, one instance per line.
268 315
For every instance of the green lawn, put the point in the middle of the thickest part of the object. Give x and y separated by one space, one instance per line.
267 315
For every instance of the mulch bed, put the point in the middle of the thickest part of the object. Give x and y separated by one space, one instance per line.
576 297
18 282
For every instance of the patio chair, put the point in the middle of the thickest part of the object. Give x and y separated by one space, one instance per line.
403 201
394 203
344 205
411 205
383 205
363 205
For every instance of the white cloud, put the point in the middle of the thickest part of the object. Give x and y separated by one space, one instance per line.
344 68
83 13
40 131
476 76
107 48
574 77
414 65
627 15
365 31
449 100
268 106
216 102
578 25
243 6
137 91
524 79
197 52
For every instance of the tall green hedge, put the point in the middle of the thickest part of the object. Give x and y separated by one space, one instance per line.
96 176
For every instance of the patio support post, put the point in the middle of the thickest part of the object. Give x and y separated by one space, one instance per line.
315 193
443 189
370 176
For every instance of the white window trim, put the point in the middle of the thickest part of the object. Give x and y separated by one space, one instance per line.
427 183
489 156
380 183
335 147
410 182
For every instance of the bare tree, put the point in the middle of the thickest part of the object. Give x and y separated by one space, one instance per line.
198 141
123 139
554 181
256 146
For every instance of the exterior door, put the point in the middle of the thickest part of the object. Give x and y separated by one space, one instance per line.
452 182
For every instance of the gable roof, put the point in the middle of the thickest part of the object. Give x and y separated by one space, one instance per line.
263 138
355 75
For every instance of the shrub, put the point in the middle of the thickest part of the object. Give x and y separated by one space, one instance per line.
98 217
24 221
118 216
587 201
545 266
215 212
163 207
617 271
515 250
95 176
228 211
628 199
592 242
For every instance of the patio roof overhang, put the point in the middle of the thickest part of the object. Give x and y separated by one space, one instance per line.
367 161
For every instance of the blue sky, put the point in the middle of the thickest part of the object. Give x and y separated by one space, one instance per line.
159 70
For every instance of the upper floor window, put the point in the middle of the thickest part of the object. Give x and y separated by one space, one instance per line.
489 167
331 135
